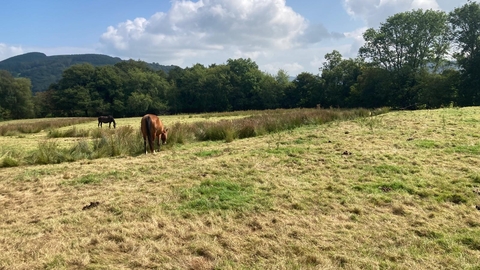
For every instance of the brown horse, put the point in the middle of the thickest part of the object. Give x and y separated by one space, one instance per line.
152 129
106 119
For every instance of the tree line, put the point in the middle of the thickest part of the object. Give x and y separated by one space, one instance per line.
415 59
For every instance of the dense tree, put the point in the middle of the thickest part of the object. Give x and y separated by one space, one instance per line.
173 96
404 45
245 82
43 103
15 97
73 101
43 70
106 89
138 103
465 24
306 91
193 95
401 65
271 92
217 82
338 75
438 90
71 96
137 80
414 39
77 75
283 84
370 89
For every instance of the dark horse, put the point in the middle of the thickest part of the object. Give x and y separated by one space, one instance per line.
106 119
153 129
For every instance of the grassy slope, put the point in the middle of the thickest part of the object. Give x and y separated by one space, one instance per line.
394 191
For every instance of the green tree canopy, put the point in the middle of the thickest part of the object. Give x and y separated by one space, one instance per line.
413 39
465 24
16 100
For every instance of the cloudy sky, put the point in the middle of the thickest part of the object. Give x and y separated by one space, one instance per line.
293 35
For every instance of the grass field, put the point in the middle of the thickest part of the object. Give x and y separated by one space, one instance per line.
393 191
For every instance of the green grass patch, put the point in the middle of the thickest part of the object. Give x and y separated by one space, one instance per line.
472 243
428 144
475 177
213 195
287 151
466 149
208 153
387 169
471 120
85 180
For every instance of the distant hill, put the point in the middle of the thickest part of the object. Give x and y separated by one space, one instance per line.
44 70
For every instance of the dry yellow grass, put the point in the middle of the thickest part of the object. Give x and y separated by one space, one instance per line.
392 191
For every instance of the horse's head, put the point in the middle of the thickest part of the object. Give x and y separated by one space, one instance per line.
163 136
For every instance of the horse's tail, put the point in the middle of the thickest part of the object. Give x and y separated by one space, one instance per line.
113 120
148 125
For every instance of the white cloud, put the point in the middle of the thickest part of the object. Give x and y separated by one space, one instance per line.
374 12
356 36
449 5
9 51
212 31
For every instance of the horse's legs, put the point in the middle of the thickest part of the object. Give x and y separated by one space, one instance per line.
158 142
145 144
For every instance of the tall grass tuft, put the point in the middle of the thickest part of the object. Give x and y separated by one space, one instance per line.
125 141
72 132
99 133
9 162
39 125
269 122
247 129
48 152
11 157
181 134
81 150
208 131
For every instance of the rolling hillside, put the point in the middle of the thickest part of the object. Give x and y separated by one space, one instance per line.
44 70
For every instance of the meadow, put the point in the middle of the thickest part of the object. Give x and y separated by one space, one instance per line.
396 190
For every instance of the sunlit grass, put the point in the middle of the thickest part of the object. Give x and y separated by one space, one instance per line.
91 143
397 192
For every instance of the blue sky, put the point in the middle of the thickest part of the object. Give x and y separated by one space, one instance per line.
293 35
